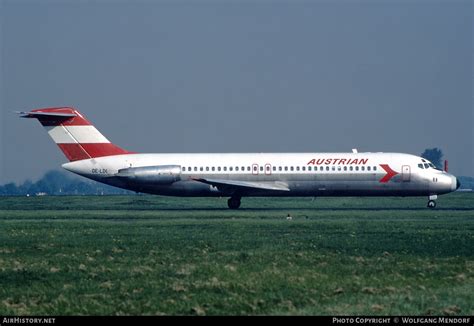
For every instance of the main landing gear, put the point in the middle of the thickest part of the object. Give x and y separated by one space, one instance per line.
432 201
233 202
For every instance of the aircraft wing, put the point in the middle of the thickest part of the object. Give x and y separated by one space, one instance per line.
244 185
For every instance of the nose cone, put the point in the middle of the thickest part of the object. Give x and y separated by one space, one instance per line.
455 184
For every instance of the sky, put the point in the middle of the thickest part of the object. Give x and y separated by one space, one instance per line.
239 76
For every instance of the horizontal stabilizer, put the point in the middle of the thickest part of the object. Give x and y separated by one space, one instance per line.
45 115
245 185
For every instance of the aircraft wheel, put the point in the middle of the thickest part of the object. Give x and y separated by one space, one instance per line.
431 204
233 202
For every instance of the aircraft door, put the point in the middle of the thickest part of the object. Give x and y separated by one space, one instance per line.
268 169
405 173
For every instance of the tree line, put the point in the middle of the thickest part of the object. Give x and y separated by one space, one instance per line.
60 183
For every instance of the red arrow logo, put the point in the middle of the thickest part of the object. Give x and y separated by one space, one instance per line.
390 173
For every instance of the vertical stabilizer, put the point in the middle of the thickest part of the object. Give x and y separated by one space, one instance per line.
74 134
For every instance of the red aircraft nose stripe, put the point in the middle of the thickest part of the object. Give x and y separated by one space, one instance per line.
390 173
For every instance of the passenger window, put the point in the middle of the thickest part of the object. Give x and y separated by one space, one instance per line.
280 168
261 169
225 168
345 168
219 168
236 168
368 168
286 168
292 168
243 169
297 168
357 168
201 169
327 168
309 168
351 168
207 168
195 168
334 168
231 168
362 168
213 168
374 168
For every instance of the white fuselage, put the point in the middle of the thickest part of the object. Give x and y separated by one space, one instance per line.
288 174
237 175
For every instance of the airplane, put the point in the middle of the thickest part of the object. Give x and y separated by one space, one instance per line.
237 175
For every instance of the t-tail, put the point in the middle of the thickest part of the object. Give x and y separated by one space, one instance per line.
74 134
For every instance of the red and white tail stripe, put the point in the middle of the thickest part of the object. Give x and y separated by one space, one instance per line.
74 134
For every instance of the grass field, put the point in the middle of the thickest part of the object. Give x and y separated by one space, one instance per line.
147 255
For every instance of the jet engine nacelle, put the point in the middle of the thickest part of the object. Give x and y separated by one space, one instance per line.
157 175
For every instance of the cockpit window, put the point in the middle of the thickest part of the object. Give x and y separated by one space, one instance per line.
427 164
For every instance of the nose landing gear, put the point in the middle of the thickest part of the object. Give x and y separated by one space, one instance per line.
432 201
431 204
233 202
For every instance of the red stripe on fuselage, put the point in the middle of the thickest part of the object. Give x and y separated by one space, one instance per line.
76 152
390 173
